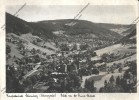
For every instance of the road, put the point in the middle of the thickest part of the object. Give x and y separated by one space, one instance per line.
32 71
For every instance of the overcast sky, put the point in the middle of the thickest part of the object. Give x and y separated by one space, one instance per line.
120 14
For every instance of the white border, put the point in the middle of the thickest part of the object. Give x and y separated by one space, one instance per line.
98 96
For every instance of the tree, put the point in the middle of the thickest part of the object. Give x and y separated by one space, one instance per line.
118 81
92 88
102 90
104 57
111 79
12 83
105 83
88 85
64 47
77 81
8 49
126 74
84 46
33 79
63 85
120 69
27 82
74 47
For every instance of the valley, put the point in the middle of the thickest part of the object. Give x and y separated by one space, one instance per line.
69 56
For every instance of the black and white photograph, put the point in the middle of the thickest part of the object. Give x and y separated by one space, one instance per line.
71 48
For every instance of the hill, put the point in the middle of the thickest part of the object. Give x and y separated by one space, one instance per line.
130 38
77 27
119 28
19 26
71 28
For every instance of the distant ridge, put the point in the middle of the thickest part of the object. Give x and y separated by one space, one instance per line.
46 29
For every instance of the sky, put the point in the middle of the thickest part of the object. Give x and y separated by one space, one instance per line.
117 14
